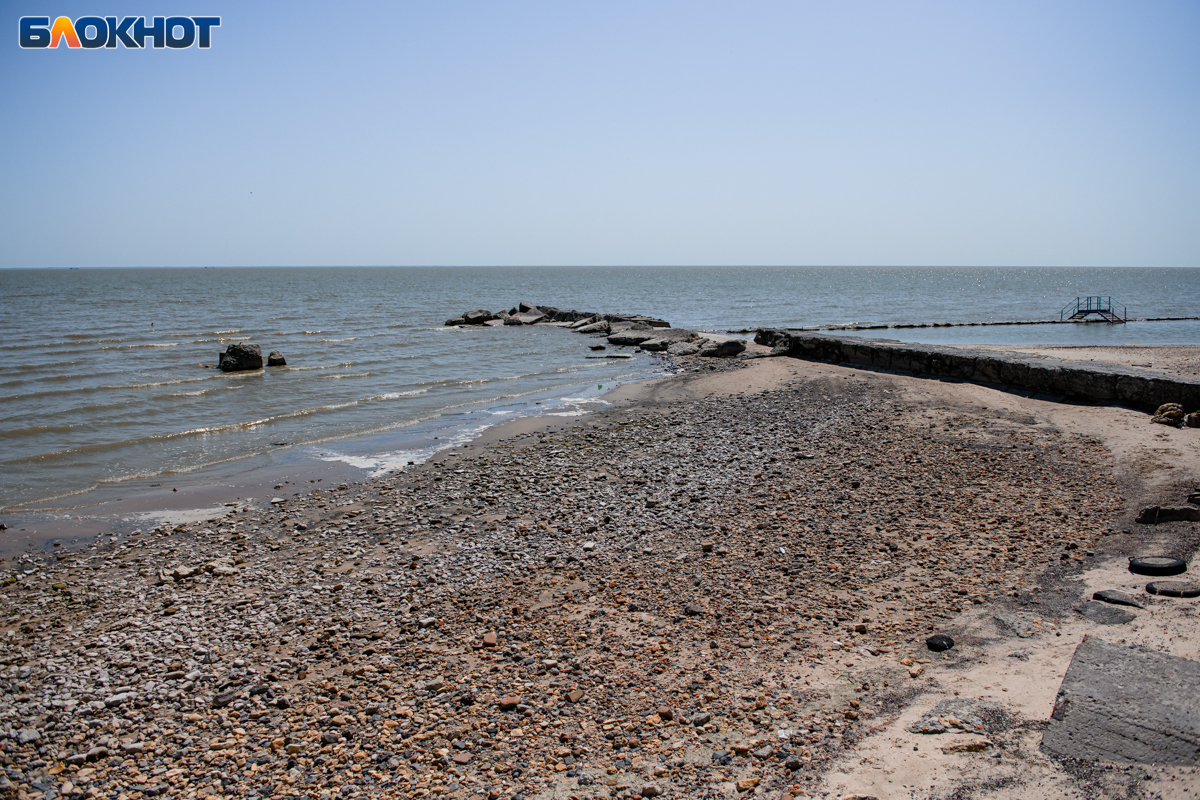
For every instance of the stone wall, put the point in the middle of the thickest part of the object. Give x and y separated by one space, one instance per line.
1106 383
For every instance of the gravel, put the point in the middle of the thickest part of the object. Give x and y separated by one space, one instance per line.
628 606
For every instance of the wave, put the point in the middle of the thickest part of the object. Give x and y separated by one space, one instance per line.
35 430
143 344
187 394
396 395
164 437
76 345
340 375
320 366
331 341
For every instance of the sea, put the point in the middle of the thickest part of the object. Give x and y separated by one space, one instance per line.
108 378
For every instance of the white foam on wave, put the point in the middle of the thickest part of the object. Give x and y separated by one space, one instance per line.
382 463
179 516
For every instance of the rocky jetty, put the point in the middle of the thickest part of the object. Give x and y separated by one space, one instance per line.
683 599
241 356
622 330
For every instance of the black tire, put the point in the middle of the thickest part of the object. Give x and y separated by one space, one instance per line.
1157 565
1173 589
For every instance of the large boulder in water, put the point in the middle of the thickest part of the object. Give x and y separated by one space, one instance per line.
477 317
527 315
276 359
241 356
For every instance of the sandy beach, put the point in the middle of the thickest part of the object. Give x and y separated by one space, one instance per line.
720 586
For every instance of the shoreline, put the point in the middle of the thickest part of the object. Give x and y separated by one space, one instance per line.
214 491
695 561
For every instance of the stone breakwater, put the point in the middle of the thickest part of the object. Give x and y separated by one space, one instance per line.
683 599
622 330
1108 383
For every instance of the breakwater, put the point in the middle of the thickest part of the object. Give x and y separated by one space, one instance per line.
1107 383
855 326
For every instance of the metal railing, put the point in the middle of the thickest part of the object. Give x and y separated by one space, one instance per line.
1102 306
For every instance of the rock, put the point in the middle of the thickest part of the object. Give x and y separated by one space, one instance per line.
28 735
683 348
1173 588
224 698
1104 614
1192 420
1153 515
509 702
972 745
939 642
726 349
701 719
455 322
597 347
650 790
489 640
574 696
1116 598
693 610
1193 498
240 357
632 338
596 327
461 758
1169 414
527 315
746 784
477 317
276 359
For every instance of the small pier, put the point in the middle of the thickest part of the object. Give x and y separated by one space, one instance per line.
1082 308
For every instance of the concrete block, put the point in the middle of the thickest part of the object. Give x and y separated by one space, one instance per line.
1127 705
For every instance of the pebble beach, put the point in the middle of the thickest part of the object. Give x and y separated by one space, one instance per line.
717 586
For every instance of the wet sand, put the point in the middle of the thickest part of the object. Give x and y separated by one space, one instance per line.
721 584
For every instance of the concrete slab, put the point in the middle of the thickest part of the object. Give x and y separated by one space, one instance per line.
1127 705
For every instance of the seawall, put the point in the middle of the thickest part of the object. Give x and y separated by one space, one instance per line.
1106 383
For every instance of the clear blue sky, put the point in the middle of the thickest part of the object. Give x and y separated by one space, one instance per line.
971 133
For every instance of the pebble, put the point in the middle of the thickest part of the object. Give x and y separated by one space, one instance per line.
412 633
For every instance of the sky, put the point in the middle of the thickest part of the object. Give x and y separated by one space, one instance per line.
1041 133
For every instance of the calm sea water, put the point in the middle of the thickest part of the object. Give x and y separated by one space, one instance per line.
107 375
